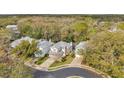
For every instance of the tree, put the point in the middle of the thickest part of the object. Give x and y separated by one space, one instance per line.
104 52
27 28
80 31
25 49
19 70
14 68
120 26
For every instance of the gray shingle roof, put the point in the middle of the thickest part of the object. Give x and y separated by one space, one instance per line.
60 44
44 44
44 47
18 41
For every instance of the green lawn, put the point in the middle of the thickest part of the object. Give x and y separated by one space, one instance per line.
41 60
67 60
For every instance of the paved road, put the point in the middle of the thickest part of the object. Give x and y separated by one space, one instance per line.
66 72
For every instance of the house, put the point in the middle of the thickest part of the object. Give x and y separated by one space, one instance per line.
81 46
15 34
18 41
12 27
60 49
43 48
113 28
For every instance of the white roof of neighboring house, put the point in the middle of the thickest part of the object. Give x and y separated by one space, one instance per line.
60 44
12 27
81 45
18 41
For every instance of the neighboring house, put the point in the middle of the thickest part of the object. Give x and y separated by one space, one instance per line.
15 34
113 28
43 48
101 23
12 27
18 41
60 49
80 47
109 26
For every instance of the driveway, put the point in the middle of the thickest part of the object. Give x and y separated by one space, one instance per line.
45 65
76 61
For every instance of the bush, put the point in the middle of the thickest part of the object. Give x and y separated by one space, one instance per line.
41 60
72 54
63 59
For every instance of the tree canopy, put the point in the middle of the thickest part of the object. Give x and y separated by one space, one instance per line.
105 52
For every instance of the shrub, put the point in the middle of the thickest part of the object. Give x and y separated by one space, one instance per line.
72 54
63 59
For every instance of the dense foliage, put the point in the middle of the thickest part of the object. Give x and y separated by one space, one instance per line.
105 52
29 29
4 21
25 49
121 26
55 28
10 66
14 69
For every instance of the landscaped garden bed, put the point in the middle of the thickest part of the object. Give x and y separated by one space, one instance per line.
41 60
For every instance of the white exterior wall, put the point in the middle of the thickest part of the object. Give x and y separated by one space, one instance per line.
12 27
81 45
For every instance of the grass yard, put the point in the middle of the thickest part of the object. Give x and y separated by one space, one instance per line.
67 60
41 60
4 33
